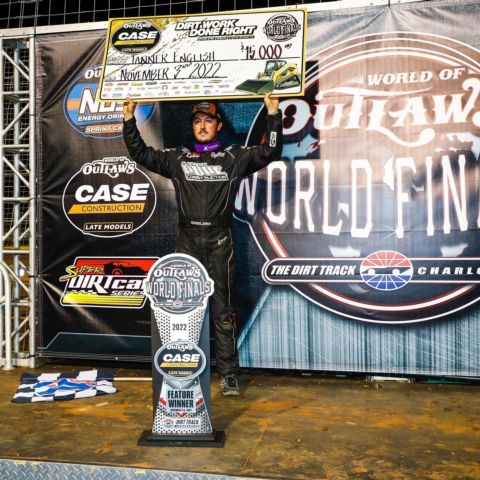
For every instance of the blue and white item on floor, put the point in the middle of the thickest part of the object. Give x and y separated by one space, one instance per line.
47 387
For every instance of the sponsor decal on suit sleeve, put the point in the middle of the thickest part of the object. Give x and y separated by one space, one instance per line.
273 139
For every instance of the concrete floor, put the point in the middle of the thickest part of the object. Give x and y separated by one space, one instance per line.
280 428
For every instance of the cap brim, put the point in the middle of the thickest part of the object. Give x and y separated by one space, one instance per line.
208 115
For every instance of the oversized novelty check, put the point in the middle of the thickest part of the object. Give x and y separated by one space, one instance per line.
220 55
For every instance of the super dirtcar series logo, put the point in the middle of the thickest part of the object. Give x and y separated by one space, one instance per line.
115 282
97 119
373 212
109 197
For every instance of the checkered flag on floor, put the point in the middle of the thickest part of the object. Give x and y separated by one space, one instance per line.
48 387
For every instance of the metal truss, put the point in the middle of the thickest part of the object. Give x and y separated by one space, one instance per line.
17 202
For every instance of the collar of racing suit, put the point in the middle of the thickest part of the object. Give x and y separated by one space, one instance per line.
207 147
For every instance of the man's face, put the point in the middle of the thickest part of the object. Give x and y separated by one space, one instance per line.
205 128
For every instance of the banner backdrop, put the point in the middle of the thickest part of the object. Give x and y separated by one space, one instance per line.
356 252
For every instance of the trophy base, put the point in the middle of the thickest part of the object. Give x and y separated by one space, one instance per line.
216 439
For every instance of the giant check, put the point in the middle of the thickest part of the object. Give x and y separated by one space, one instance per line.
220 55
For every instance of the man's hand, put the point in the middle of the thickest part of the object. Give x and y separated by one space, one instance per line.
129 107
271 103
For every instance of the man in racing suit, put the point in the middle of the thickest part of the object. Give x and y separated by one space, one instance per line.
206 181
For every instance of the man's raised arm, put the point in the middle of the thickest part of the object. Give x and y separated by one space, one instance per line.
158 161
258 157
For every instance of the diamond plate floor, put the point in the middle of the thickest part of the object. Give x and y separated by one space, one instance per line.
28 470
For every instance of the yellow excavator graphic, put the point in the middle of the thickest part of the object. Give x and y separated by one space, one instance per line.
278 75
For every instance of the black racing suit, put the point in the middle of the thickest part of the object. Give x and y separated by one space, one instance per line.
205 187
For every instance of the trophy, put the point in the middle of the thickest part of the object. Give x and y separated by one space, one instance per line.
178 287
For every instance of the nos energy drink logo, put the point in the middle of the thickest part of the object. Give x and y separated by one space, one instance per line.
97 119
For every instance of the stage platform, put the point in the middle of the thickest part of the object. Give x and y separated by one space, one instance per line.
281 427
